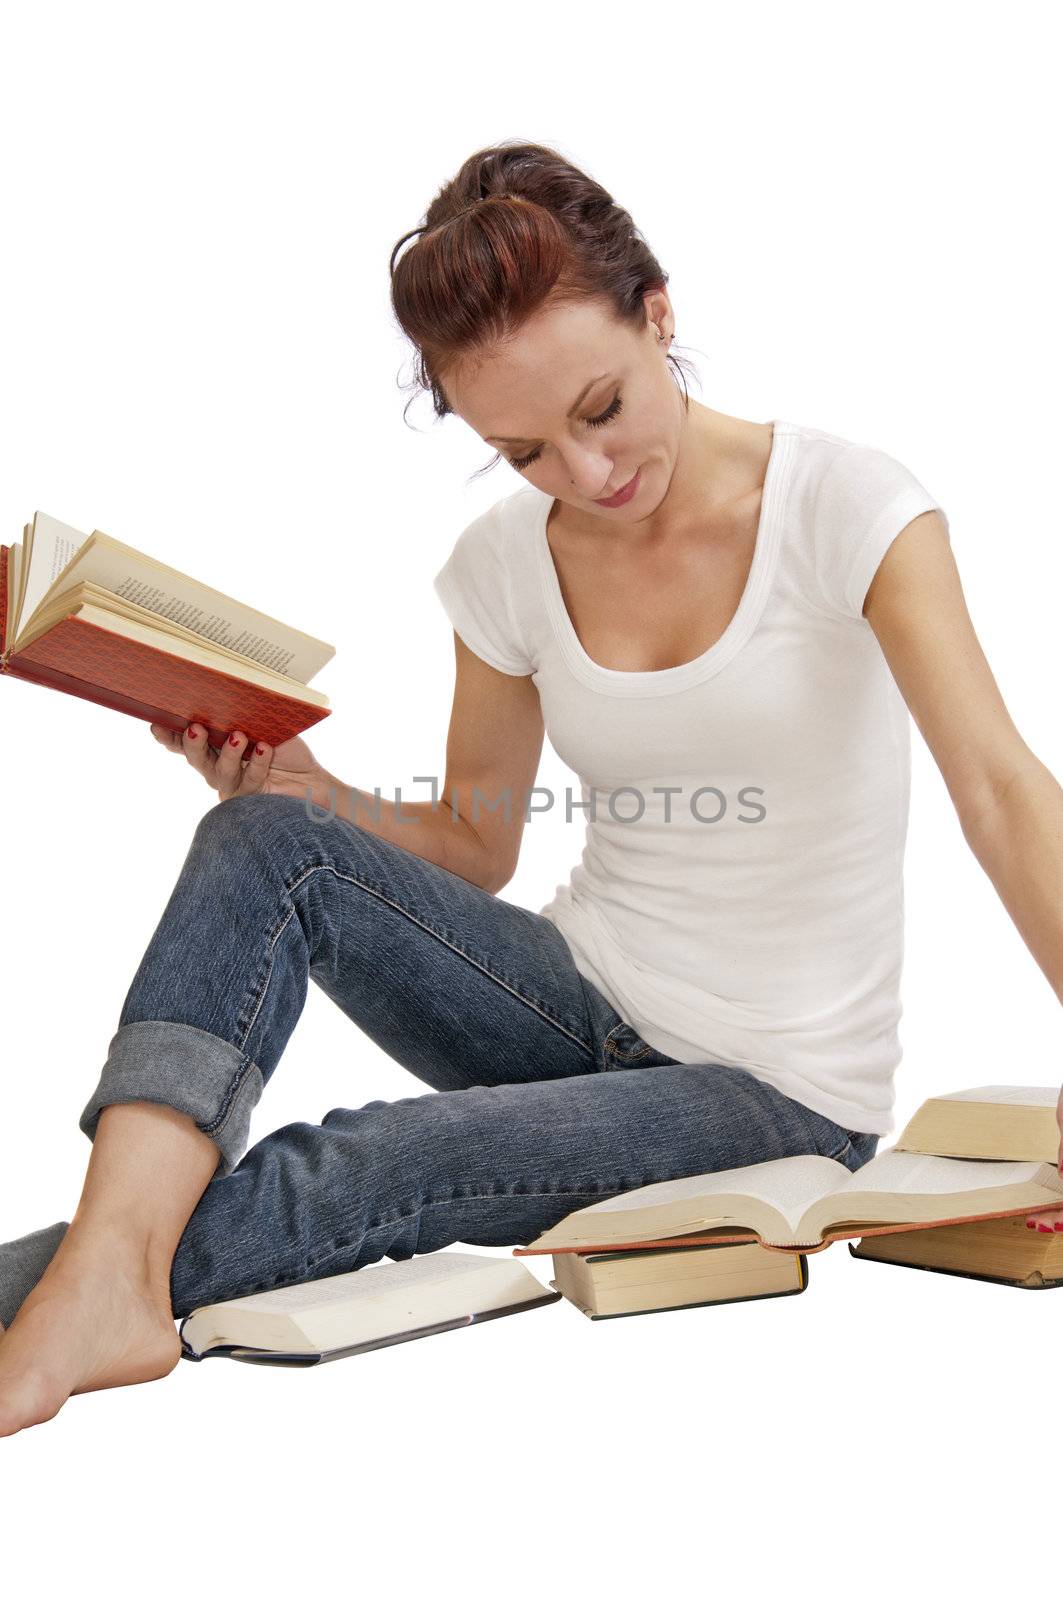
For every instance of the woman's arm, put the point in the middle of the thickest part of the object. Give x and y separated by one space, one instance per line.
1018 838
1009 804
473 829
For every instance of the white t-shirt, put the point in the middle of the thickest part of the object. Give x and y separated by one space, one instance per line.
754 915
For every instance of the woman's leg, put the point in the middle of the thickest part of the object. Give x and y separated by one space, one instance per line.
453 982
100 1314
484 1166
468 991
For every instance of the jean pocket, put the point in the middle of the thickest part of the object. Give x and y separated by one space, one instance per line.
829 1138
622 1047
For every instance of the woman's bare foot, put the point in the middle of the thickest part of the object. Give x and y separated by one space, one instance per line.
96 1320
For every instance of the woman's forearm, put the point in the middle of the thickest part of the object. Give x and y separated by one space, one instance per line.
1018 838
430 829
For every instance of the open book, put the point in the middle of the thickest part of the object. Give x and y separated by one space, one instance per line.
351 1312
806 1202
95 618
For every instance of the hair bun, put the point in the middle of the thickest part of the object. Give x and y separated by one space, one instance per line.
459 291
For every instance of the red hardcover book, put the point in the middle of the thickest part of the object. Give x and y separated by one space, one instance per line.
172 660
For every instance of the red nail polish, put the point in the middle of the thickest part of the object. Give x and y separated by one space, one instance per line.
1057 1226
260 749
192 734
1042 1227
233 739
1030 1224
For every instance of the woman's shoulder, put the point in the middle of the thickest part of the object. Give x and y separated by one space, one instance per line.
851 500
845 460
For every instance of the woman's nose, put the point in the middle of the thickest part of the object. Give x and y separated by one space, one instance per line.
590 472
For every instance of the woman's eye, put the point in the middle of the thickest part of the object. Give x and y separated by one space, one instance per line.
607 415
611 411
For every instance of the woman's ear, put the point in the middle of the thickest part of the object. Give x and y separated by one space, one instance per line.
659 319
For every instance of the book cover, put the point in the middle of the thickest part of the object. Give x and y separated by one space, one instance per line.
98 619
128 676
314 1358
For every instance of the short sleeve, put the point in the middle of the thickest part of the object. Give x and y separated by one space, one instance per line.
865 499
474 588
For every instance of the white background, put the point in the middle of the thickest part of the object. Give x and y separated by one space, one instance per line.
857 208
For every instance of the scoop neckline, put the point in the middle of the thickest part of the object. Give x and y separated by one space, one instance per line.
613 680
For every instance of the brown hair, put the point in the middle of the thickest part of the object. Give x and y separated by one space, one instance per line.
516 228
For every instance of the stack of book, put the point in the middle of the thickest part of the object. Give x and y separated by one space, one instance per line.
951 1195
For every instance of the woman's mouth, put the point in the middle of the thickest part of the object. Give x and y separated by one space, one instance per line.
623 495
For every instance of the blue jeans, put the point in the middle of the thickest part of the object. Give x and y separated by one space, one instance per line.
547 1099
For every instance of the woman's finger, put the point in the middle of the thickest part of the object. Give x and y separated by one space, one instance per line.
197 749
1045 1221
227 765
167 737
256 769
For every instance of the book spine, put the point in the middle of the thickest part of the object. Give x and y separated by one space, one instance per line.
82 659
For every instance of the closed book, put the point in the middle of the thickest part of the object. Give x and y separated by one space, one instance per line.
1003 1250
999 1122
96 618
625 1283
350 1313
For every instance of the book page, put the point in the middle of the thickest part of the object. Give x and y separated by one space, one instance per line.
14 565
1006 1094
53 545
375 1282
142 581
790 1185
907 1172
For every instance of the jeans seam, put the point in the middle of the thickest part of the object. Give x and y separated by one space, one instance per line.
587 1045
217 1123
271 943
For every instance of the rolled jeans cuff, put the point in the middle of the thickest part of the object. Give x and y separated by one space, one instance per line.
22 1266
173 1064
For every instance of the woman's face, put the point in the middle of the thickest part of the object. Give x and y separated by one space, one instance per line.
626 413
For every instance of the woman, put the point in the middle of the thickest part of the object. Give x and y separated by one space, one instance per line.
713 617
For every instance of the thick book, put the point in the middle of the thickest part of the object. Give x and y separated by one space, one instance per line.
95 618
626 1283
350 1313
1000 1122
1002 1251
805 1203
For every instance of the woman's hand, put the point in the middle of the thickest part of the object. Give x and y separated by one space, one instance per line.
1051 1221
288 769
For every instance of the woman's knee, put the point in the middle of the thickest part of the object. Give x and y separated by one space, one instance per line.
253 825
